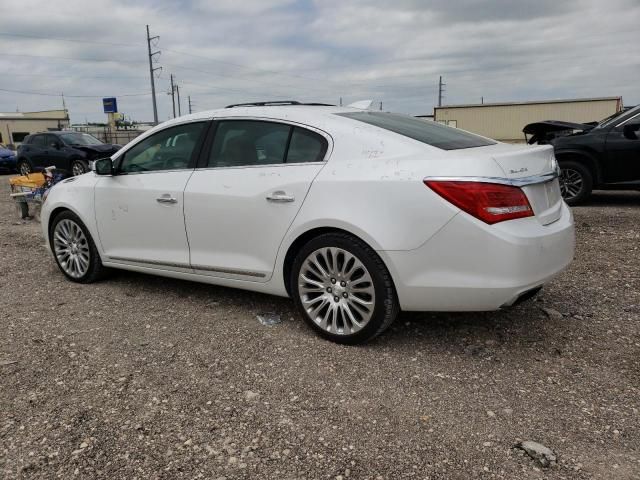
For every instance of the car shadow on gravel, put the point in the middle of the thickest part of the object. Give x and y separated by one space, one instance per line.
474 333
612 198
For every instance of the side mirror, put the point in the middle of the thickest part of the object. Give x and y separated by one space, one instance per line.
630 131
103 166
55 145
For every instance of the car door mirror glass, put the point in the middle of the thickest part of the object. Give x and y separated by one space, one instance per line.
103 166
630 131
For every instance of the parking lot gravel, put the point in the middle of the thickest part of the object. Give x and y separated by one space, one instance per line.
141 377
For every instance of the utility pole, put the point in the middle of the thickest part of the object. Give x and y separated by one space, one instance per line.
380 106
173 99
340 101
189 99
151 74
482 100
440 91
178 93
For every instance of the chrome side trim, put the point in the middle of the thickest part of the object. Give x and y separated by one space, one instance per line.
231 271
201 268
515 182
152 262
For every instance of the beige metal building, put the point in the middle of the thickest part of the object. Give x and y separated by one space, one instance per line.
505 121
14 126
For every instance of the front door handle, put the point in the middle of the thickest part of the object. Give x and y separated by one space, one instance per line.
166 198
280 197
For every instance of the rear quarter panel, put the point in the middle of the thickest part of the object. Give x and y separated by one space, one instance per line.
372 186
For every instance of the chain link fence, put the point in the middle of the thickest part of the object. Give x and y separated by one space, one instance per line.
109 135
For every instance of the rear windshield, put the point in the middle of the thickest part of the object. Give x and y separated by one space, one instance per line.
425 131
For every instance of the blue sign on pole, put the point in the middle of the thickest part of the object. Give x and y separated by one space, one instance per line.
110 105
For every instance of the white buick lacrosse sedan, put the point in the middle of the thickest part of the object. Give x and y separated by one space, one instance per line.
355 214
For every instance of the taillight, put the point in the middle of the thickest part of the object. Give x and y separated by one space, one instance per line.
489 202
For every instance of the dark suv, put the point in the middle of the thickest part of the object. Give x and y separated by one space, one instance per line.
69 152
604 155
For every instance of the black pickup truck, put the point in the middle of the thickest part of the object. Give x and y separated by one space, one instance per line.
602 155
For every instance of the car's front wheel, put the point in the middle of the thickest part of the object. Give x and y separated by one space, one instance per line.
343 289
24 167
74 249
576 182
78 167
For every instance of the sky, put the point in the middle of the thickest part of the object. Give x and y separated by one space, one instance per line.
232 51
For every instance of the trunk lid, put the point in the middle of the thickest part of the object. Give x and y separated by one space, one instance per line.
531 161
518 162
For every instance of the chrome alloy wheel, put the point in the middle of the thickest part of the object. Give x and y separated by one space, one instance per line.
25 169
71 248
570 183
336 290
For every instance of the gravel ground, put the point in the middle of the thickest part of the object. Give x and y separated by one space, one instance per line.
144 377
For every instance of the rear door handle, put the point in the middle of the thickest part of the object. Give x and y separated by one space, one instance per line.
166 198
280 197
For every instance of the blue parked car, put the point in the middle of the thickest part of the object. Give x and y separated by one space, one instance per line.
7 160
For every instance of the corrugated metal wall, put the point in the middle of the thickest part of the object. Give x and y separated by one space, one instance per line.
505 121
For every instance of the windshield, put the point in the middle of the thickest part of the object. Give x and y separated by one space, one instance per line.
80 139
618 116
425 131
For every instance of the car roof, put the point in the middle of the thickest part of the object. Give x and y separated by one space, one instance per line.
55 132
305 114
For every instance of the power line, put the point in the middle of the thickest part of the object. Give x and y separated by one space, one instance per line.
75 59
71 96
38 37
73 77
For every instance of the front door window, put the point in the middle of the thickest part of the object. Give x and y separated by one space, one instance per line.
170 149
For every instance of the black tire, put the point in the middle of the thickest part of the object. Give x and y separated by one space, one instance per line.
79 167
570 169
24 167
385 301
96 270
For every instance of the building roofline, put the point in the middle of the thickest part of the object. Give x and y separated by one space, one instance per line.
65 119
533 102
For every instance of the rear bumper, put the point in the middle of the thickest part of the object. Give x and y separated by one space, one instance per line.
471 266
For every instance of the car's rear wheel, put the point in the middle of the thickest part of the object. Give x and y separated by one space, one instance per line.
576 182
74 249
343 289
78 167
24 167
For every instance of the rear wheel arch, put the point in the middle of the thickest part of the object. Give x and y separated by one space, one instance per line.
585 158
305 238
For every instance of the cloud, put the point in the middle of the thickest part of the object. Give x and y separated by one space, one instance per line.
228 51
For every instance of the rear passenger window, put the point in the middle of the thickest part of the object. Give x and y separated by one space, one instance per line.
240 143
39 141
306 146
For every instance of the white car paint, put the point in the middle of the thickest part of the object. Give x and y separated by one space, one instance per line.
222 229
